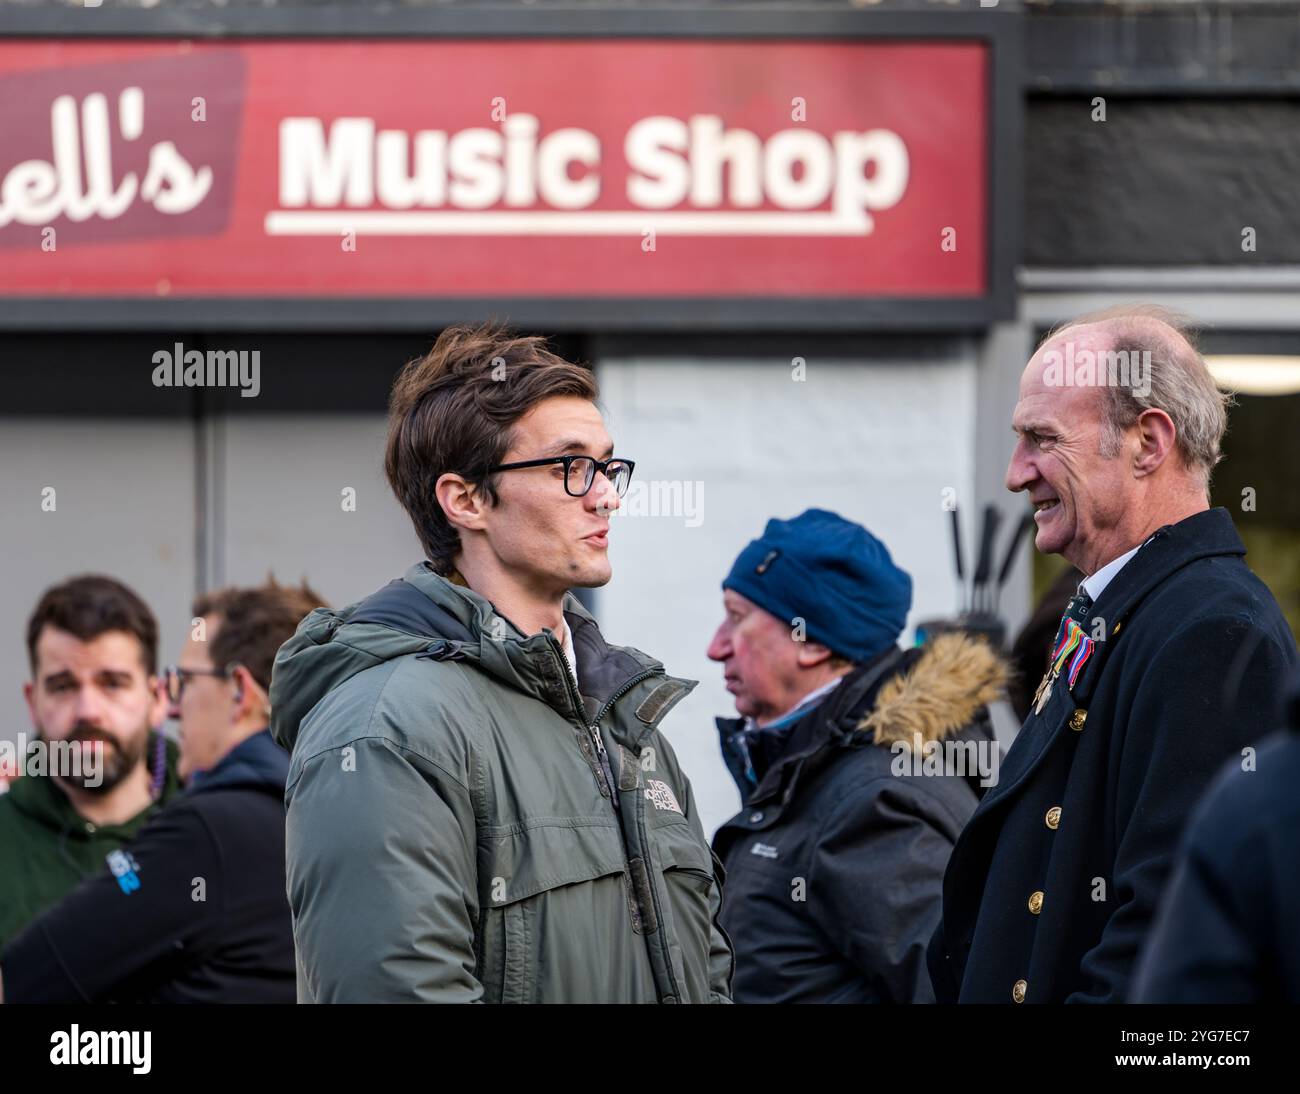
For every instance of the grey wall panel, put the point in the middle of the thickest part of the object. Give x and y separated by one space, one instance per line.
124 506
277 505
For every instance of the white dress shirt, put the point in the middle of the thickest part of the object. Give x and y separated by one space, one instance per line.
1095 584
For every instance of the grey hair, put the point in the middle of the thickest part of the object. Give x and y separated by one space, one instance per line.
1180 383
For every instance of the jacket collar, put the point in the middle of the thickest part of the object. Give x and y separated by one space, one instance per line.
1203 535
825 725
925 694
535 664
257 761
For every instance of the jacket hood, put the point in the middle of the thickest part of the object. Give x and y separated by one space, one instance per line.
426 614
942 693
255 762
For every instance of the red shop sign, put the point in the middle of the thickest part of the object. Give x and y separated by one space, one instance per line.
595 169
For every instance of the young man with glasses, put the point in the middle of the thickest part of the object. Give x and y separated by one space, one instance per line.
481 806
193 910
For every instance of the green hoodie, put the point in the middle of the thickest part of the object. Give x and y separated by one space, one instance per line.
47 848
458 833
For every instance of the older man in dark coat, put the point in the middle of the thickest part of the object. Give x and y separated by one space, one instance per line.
857 763
1168 661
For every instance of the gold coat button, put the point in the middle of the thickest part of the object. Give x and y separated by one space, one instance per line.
1117 627
1036 902
1053 817
1018 991
1077 719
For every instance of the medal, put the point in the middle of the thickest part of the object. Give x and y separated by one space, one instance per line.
1044 692
1071 653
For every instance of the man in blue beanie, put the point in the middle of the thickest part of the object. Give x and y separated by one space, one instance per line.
853 791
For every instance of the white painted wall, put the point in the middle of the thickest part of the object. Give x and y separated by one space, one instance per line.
874 441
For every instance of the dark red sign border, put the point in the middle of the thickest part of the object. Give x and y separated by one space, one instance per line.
999 30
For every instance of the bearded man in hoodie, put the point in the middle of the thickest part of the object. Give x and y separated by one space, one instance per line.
193 909
481 807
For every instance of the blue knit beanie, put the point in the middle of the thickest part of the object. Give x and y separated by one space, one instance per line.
831 573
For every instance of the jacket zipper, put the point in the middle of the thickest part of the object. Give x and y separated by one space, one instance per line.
673 987
607 775
593 729
595 725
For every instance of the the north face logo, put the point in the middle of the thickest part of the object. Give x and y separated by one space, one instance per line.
662 795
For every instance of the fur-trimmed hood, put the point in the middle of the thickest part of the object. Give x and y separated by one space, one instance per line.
941 693
830 803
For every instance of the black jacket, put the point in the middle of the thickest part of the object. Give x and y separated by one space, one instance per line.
1228 930
1052 886
192 911
834 866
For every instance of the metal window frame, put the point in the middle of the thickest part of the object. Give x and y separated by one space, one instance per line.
999 30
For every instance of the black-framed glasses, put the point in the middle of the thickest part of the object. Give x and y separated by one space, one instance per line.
175 678
580 472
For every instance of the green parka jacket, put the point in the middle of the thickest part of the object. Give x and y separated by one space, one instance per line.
465 824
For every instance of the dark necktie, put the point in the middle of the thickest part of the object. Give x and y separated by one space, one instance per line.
1079 607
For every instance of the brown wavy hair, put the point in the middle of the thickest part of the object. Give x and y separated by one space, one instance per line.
453 411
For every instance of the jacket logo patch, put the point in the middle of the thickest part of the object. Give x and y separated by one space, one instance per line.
124 868
662 795
763 850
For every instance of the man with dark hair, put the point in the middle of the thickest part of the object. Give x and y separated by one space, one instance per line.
93 698
193 909
480 804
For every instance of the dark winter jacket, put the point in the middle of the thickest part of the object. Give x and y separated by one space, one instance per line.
834 866
1053 884
193 910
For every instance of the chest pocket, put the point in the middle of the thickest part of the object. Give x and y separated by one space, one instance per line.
553 887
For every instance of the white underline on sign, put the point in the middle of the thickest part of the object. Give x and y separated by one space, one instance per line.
312 222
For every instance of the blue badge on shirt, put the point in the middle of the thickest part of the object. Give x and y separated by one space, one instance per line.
124 868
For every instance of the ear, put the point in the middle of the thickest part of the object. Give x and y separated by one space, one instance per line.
29 693
248 692
1156 436
159 705
461 502
812 654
